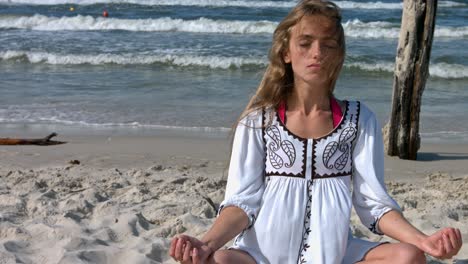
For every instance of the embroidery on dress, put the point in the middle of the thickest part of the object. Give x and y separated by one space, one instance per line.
373 226
287 146
343 146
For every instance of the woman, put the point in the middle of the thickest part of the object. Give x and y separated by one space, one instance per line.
301 159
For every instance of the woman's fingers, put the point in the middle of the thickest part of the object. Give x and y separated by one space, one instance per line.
179 249
452 236
173 248
187 250
195 256
440 251
184 249
459 238
447 245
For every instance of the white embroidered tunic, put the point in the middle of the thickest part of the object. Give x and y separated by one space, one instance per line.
298 192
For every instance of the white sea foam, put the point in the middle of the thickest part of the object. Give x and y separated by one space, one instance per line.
44 118
440 70
353 28
381 29
381 66
223 3
451 71
80 23
214 62
378 29
381 5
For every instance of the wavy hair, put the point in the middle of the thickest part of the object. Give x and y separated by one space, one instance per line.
278 80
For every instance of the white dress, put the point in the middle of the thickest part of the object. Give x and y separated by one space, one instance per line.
298 192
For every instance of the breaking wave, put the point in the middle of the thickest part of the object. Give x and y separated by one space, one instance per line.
353 28
439 70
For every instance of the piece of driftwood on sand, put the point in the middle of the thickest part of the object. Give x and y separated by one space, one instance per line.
35 141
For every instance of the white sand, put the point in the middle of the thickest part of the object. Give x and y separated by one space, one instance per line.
130 195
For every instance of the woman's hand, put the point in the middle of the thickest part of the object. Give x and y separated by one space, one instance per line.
189 250
443 244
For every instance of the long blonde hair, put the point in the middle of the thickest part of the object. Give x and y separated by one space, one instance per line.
278 80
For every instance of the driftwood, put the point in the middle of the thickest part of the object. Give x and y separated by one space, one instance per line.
39 141
411 72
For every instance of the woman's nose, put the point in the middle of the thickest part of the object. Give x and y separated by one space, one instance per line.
317 50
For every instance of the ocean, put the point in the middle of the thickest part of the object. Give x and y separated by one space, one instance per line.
191 65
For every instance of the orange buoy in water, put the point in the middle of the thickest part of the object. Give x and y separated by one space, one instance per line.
105 13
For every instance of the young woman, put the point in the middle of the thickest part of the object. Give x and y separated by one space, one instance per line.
301 159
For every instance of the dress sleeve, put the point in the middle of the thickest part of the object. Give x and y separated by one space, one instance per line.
245 184
370 198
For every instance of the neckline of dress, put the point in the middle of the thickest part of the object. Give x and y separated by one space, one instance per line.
280 121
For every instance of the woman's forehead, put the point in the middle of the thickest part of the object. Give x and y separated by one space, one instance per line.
317 26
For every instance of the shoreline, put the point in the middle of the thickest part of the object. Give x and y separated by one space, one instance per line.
126 151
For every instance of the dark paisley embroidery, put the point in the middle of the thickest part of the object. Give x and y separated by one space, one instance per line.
290 151
341 161
343 145
347 134
275 160
287 146
274 133
330 149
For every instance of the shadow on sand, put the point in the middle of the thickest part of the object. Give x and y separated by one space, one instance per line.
428 156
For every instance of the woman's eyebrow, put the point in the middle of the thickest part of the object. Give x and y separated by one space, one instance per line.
308 36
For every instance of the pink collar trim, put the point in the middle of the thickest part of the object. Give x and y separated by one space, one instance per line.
335 108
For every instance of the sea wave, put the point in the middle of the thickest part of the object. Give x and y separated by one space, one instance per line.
381 29
215 62
381 5
44 119
82 23
223 3
353 28
439 70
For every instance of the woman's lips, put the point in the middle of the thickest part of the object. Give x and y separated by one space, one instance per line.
315 66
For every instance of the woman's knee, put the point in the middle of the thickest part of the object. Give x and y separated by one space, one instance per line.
230 257
221 257
409 254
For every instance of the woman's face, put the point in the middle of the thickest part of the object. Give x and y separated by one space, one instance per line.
313 50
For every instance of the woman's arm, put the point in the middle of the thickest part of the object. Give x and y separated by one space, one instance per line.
443 244
230 222
244 190
377 210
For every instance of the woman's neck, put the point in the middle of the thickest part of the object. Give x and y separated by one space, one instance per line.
308 99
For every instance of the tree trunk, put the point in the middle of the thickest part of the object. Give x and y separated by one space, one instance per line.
411 72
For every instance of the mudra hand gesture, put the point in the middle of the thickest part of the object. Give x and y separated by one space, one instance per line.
186 249
443 244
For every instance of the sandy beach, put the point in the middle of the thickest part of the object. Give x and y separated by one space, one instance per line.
120 199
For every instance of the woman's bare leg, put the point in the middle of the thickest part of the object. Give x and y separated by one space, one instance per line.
231 256
401 253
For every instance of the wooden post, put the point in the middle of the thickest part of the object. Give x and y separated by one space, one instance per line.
411 72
